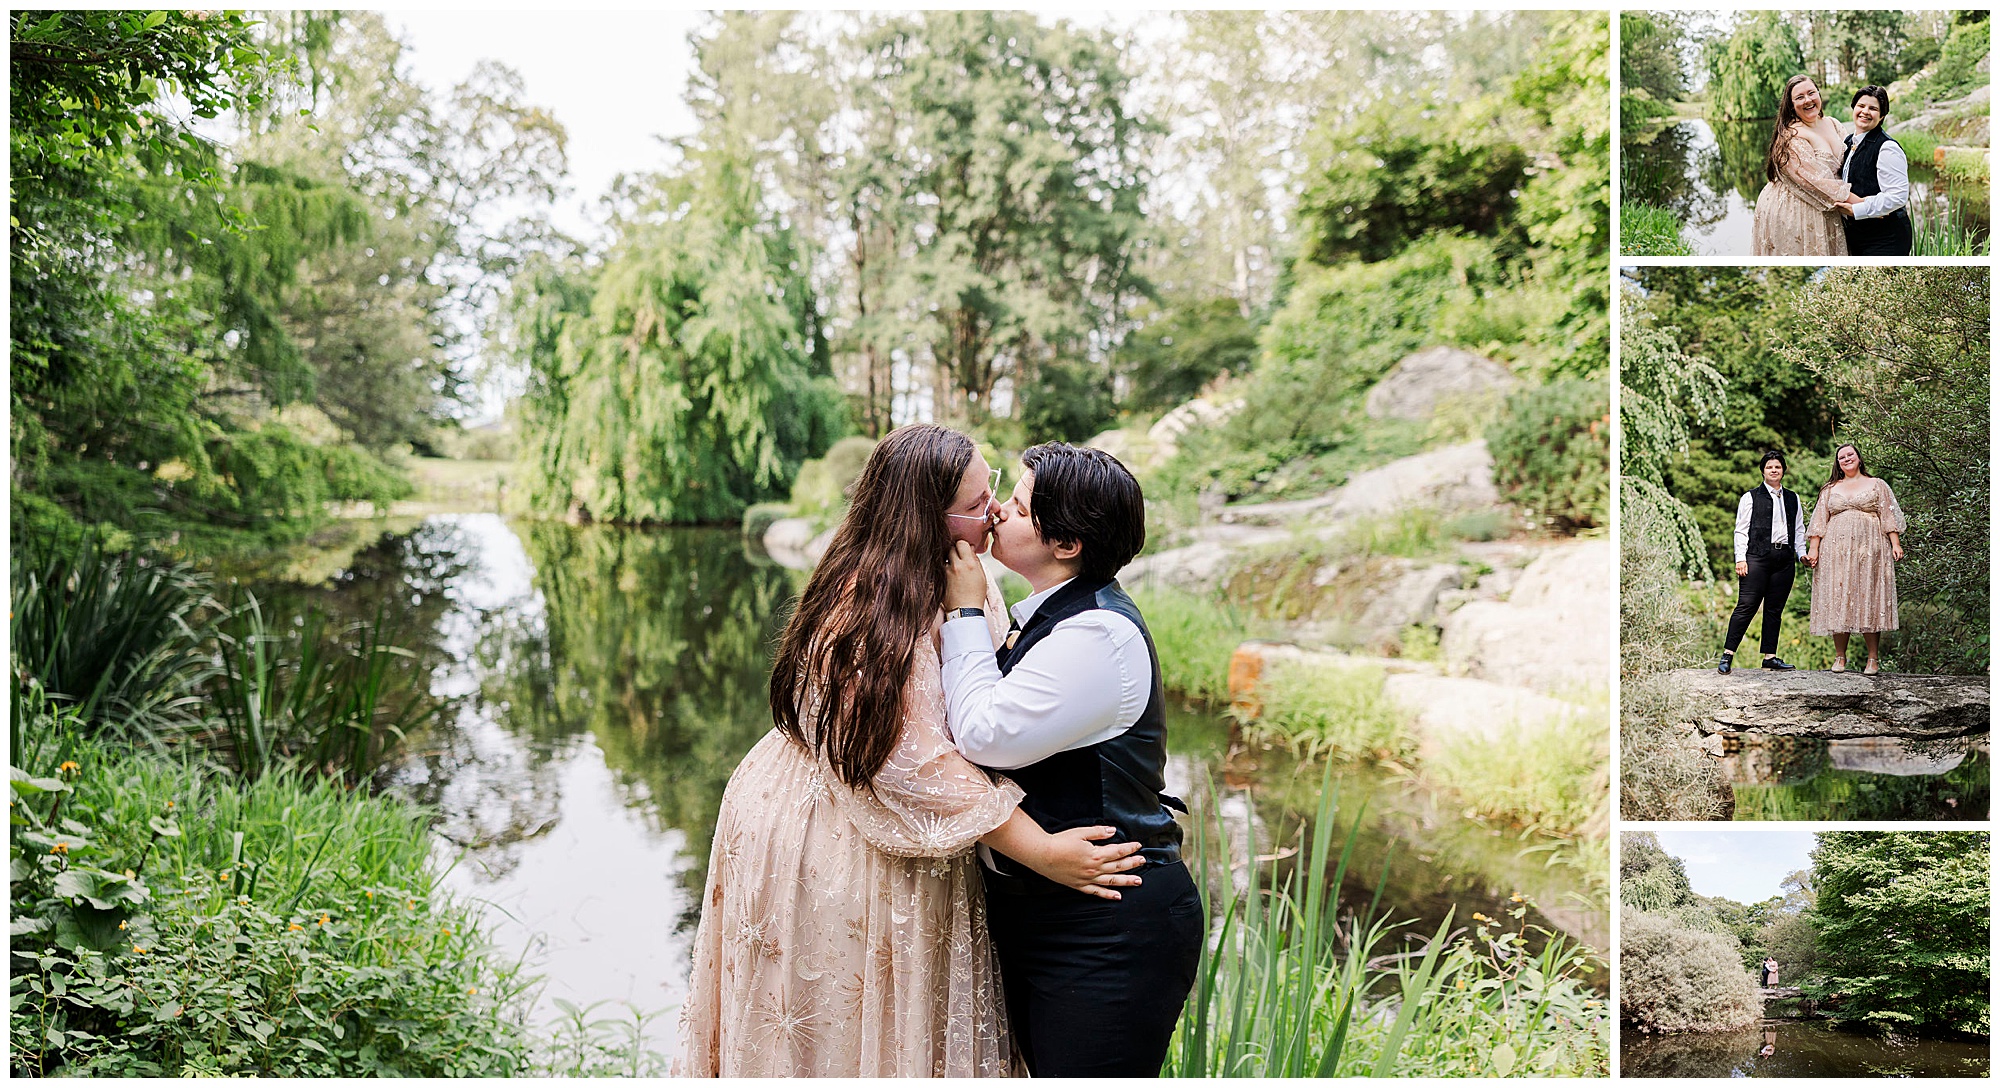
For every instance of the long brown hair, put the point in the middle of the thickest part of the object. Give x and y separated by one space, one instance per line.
1860 466
837 684
1780 150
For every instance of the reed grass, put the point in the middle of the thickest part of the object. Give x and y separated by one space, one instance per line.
1946 233
1292 986
1648 231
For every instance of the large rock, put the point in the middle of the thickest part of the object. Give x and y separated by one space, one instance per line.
1411 598
1835 705
1552 633
1199 412
1416 386
1448 709
1454 478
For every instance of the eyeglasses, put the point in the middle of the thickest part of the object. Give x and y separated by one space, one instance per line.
993 492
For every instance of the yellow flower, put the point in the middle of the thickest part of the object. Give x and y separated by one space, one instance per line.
121 925
322 919
371 895
472 989
1518 897
69 766
59 848
447 931
170 804
139 950
293 928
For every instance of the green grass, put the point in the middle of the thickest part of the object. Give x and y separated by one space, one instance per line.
1648 231
1943 234
1330 714
1297 984
1195 638
1968 164
1549 777
1920 148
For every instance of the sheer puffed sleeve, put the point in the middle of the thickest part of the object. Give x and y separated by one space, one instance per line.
1892 511
928 801
1804 172
1819 518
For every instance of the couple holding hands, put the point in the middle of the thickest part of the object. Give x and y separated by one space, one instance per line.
1852 545
1834 190
954 855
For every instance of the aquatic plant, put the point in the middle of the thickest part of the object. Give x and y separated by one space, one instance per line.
1944 232
1648 231
1293 986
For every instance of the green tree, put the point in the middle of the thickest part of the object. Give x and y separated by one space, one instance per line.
1184 343
1902 928
1905 351
677 382
1748 67
1649 54
1661 391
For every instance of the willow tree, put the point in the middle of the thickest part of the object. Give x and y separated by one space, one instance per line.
1748 68
679 381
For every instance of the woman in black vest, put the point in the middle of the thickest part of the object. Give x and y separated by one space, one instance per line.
1770 539
1876 169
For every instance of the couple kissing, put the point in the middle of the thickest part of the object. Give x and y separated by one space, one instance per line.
1852 545
953 855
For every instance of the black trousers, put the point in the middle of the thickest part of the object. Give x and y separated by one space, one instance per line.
1885 236
1094 987
1769 583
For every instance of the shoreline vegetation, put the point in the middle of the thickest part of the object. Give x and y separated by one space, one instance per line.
1931 78
206 882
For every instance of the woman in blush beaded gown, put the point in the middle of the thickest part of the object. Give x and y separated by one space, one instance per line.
1854 543
843 929
1800 209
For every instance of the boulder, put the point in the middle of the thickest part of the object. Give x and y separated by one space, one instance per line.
1416 386
1550 634
1453 478
1203 561
1834 705
1448 709
1410 598
1199 412
791 543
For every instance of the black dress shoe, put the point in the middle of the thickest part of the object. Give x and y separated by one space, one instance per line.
1724 667
1778 663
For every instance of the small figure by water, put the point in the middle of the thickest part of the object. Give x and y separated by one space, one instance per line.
1800 210
1856 537
1770 975
1770 539
1878 172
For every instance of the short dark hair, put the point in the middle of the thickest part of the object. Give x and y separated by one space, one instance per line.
1769 456
1086 497
1879 94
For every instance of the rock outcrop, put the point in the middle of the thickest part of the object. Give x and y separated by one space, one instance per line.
1835 705
1421 383
1549 634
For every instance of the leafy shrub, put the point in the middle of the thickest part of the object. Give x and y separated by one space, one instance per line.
820 491
1648 231
169 922
759 517
1672 978
1552 452
1067 401
1958 69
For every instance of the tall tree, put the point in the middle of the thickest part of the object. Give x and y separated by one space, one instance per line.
1748 67
1902 928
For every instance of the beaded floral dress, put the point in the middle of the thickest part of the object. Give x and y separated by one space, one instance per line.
843 933
1854 586
1795 214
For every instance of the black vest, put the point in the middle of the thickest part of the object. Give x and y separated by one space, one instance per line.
1884 236
1760 522
1118 782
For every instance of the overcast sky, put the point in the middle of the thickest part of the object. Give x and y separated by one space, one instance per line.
1744 865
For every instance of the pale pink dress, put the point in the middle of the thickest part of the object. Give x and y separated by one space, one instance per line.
1854 586
843 934
1795 214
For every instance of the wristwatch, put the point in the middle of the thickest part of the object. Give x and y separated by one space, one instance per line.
961 613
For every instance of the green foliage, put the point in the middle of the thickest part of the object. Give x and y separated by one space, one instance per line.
1647 231
819 493
1661 392
1328 714
1748 67
1068 401
1969 164
278 931
1673 978
1194 636
1384 183
585 1045
1287 990
1552 450
1186 344
1661 777
677 382
1548 777
1913 388
1958 69
1649 56
1902 928
1649 878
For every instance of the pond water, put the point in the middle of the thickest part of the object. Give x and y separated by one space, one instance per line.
1797 1048
1710 173
1877 778
600 685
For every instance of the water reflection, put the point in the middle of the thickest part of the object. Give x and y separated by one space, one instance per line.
1783 1048
1878 778
601 684
1710 173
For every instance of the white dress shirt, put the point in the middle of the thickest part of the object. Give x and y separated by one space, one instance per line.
1084 683
1892 173
1795 534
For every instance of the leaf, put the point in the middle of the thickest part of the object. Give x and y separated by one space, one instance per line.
164 827
27 785
153 20
1503 1060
